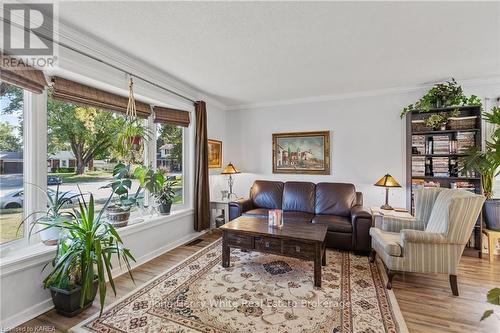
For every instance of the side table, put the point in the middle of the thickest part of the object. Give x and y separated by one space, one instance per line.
379 213
493 237
216 205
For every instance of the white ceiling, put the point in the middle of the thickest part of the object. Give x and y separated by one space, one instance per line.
255 52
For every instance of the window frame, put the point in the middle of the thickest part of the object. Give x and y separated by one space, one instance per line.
34 153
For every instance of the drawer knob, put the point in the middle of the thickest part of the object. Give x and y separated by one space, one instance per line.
267 244
297 248
238 241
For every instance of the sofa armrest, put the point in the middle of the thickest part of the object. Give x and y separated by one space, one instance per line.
361 220
238 207
418 236
395 224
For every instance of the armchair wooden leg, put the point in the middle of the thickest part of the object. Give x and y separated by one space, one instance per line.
373 255
454 285
390 276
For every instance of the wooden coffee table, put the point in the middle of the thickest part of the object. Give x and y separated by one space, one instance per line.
294 239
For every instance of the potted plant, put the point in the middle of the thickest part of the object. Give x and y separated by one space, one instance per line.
437 121
83 259
131 136
166 196
56 201
444 94
487 163
119 213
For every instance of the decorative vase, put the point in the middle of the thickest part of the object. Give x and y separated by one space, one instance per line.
165 208
118 216
48 236
491 213
67 302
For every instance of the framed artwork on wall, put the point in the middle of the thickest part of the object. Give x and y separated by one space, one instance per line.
302 153
214 154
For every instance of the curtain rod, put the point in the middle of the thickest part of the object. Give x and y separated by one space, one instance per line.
88 55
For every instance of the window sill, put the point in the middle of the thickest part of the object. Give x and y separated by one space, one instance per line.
39 253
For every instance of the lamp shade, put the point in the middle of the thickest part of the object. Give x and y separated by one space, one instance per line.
229 169
387 181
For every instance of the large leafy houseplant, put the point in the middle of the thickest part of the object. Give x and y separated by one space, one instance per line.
83 257
444 94
487 163
121 186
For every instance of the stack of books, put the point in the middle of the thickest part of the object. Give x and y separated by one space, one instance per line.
441 144
468 186
465 140
453 146
418 144
418 166
441 166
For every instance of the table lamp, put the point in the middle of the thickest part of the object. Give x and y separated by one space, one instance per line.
230 170
387 181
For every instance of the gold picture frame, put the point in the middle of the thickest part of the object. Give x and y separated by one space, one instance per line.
214 154
302 153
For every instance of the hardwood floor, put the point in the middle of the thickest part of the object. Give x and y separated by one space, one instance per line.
425 300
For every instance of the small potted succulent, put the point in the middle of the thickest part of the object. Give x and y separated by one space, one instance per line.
82 263
166 195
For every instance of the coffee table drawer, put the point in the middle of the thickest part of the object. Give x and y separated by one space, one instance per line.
240 240
299 249
267 244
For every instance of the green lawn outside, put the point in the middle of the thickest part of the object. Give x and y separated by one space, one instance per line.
87 177
9 221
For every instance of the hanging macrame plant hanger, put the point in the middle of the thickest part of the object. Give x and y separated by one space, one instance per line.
131 116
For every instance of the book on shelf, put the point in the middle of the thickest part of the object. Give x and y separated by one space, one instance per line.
418 144
465 140
418 166
440 144
464 185
441 166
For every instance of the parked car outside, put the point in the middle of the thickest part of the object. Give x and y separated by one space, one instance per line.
15 199
54 180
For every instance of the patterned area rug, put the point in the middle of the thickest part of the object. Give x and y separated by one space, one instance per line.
258 293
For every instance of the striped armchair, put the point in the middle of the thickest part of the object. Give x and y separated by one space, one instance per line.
431 242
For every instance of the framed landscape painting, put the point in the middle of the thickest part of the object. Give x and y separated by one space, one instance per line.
214 154
302 153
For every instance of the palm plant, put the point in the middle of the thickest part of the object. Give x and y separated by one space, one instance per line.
487 161
84 253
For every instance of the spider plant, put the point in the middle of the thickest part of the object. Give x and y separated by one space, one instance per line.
56 202
84 253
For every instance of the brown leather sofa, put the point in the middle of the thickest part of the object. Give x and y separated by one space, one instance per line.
337 205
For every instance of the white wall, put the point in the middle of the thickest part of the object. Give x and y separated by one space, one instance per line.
216 130
367 139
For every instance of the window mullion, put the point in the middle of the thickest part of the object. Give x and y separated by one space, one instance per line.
35 154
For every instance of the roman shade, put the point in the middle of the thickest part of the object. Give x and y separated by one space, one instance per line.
74 92
171 116
15 72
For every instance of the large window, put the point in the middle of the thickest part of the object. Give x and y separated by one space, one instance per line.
81 149
169 155
11 163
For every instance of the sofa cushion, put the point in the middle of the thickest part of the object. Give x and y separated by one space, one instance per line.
334 223
267 194
334 199
258 212
299 197
389 241
297 217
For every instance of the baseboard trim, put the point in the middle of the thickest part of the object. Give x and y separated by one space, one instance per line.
46 305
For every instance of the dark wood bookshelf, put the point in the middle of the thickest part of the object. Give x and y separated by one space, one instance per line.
444 181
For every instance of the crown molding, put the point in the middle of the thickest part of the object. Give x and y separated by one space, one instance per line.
359 94
80 40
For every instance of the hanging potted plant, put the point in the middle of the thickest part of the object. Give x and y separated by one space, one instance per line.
82 263
165 196
487 163
54 214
